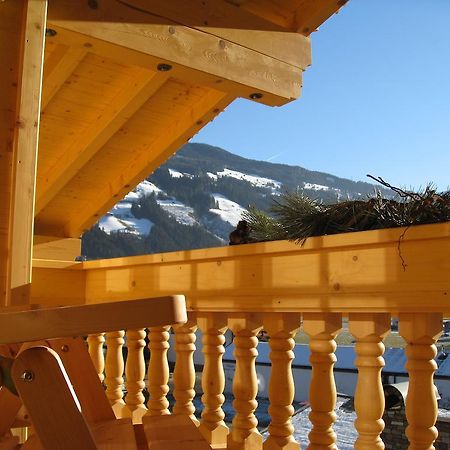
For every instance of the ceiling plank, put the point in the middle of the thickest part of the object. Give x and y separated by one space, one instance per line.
167 143
22 37
142 85
58 67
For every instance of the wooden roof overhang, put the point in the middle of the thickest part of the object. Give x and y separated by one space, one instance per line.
125 83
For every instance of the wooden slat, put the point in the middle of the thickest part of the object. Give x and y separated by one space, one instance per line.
200 51
22 34
133 95
50 401
37 324
58 67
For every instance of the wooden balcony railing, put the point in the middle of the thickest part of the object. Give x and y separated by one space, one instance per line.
420 331
367 277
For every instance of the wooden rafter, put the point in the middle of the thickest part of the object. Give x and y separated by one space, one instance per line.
142 85
22 35
58 66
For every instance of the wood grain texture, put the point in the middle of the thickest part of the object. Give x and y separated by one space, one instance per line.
71 321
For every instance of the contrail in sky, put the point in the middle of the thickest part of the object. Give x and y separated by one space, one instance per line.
271 158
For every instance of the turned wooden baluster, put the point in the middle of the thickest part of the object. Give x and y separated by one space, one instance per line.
322 329
369 330
244 435
421 331
212 426
135 373
158 371
114 371
184 374
95 343
281 328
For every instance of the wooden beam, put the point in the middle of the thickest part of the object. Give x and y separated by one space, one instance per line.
312 13
142 85
22 35
69 321
353 272
211 13
58 67
55 248
169 141
118 53
200 51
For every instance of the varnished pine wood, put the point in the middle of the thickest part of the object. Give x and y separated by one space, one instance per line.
22 31
114 367
158 371
135 373
184 373
37 324
50 401
322 330
281 329
244 434
212 426
369 331
421 332
95 345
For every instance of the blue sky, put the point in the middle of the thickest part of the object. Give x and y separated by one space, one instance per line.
376 99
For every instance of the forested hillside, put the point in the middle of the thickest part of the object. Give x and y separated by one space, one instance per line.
197 197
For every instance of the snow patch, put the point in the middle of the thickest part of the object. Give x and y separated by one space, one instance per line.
147 188
228 210
213 176
183 214
315 187
111 224
252 179
175 174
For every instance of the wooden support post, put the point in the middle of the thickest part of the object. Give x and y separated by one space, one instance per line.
184 374
135 373
244 435
322 329
281 328
114 371
158 371
22 37
212 426
421 332
369 330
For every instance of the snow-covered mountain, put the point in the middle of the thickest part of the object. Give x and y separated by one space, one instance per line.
197 198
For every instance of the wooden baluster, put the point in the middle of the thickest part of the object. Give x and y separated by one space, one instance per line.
281 328
114 372
158 371
95 343
212 426
421 331
244 435
135 373
369 330
322 329
184 373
